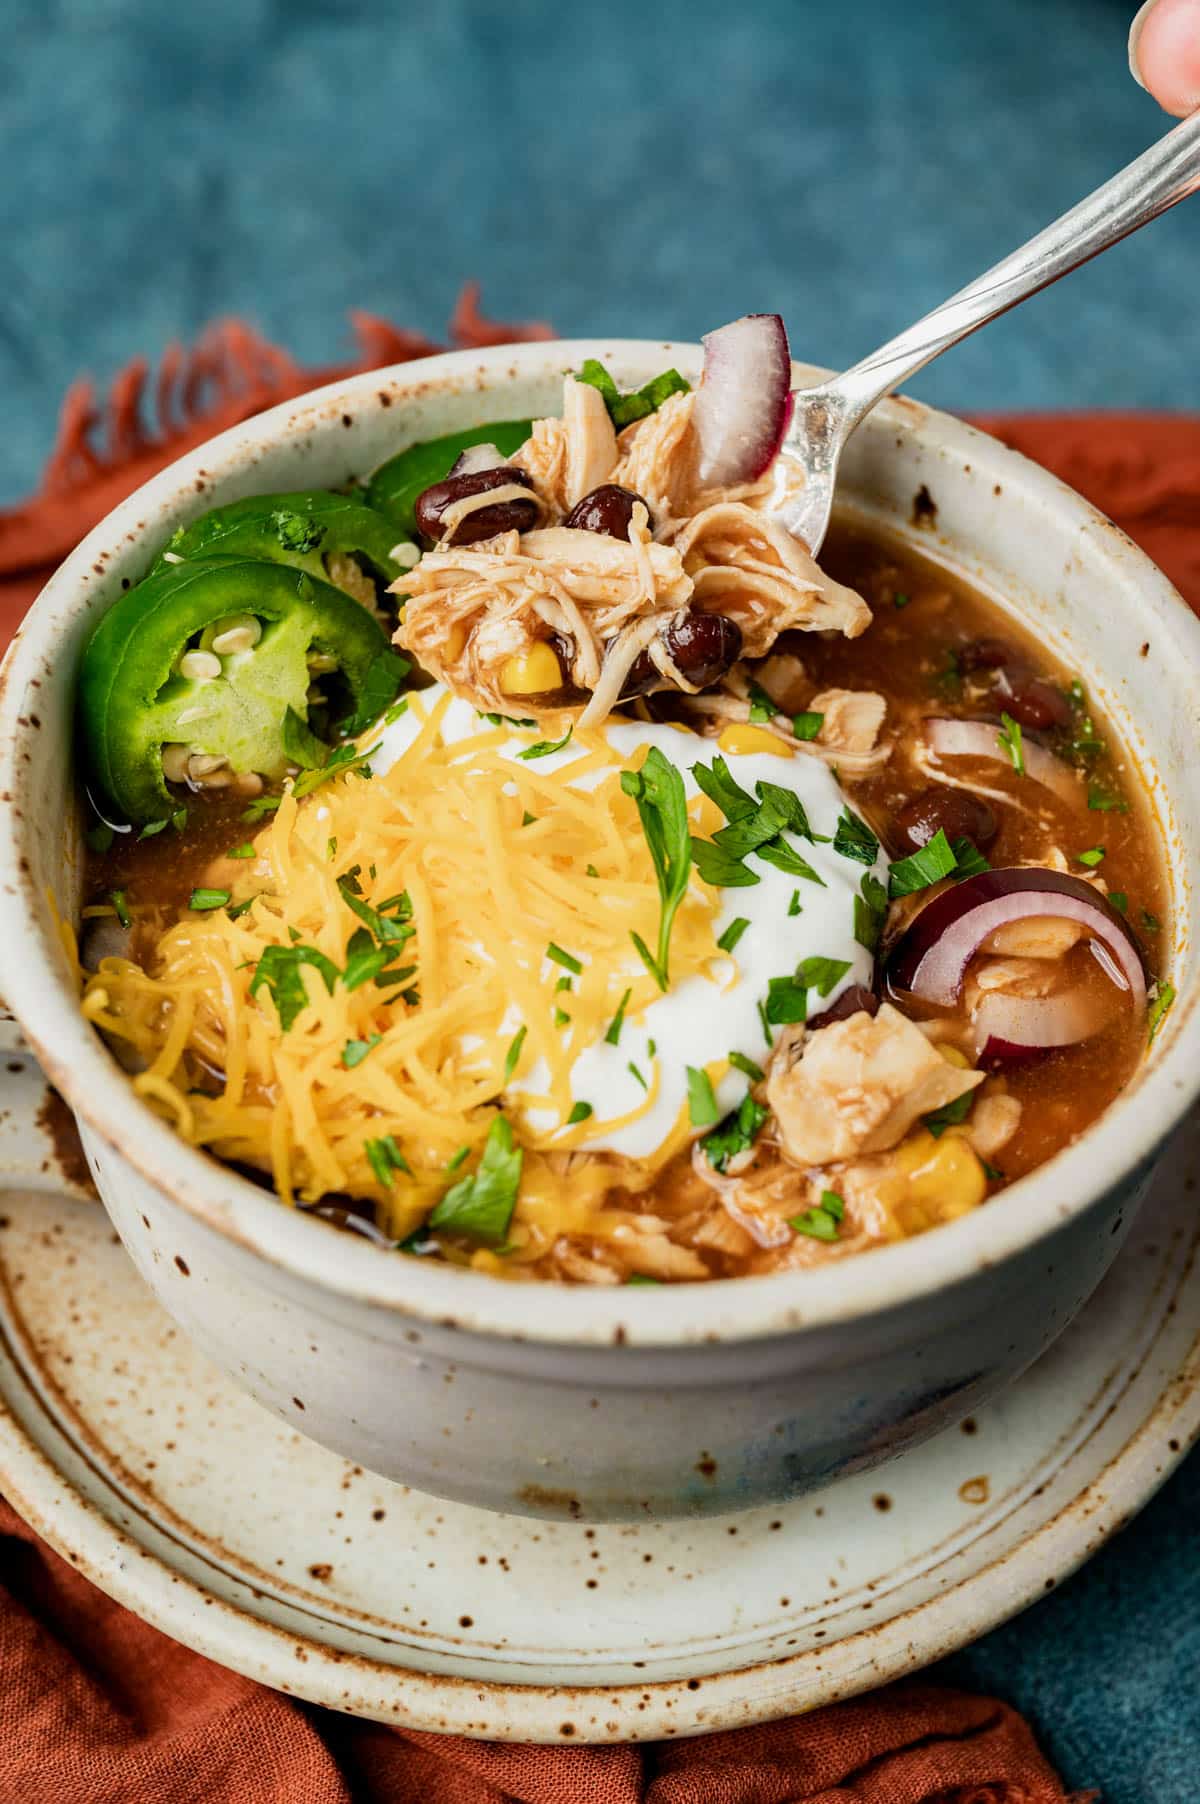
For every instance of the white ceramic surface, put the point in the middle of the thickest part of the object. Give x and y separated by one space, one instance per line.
175 1492
635 1402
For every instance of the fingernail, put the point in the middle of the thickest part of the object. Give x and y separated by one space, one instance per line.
1135 33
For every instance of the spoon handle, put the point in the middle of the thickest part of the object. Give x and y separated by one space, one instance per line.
1168 172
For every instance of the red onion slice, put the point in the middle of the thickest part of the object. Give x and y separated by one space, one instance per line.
950 738
1013 1027
744 401
931 959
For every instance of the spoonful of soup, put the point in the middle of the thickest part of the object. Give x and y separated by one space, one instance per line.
744 412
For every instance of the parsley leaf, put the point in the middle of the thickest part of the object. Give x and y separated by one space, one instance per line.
1164 996
481 1205
386 1159
718 868
514 1052
364 959
807 725
927 865
391 924
821 1223
624 409
733 933
580 1111
968 859
735 1134
1009 737
951 1114
613 1035
566 959
1092 858
702 1104
355 1051
278 972
787 1001
821 974
854 839
657 789
870 912
740 1062
763 707
544 747
385 673
717 784
205 900
1106 801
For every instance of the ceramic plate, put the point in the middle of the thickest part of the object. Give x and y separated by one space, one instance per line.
185 1500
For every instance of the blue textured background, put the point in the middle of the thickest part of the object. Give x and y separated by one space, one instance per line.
629 168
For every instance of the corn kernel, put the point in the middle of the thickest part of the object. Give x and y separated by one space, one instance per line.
752 739
944 1179
454 643
532 673
953 1056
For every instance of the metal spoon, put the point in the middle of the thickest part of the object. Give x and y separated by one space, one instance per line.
824 417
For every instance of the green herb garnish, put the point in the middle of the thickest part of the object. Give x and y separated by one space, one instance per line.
1150 923
951 1114
245 850
794 906
657 789
763 707
735 1134
702 1104
355 1051
632 1068
900 600
787 1001
278 972
807 725
1092 858
821 1222
1009 738
927 865
203 900
870 912
100 838
117 898
386 1159
854 839
733 933
719 868
613 1035
1106 801
544 747
391 922
580 1111
565 959
740 1062
481 1205
1164 996
624 409
1119 900
514 1052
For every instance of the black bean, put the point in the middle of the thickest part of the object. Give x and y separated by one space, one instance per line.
485 522
701 646
957 814
608 509
851 1002
1038 705
986 654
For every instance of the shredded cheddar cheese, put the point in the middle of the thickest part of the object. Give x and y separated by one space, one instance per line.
482 865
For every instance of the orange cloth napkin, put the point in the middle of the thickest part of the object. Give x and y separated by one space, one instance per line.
96 1707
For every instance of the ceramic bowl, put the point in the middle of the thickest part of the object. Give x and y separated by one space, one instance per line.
624 1403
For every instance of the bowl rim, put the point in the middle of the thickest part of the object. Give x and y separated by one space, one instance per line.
291 1245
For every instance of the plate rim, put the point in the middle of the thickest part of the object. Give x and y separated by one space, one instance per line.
298 1665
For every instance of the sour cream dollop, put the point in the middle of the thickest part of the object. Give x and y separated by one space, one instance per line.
700 1020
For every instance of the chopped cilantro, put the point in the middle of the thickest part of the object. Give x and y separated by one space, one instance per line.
245 850
278 972
544 747
151 828
1164 996
821 1222
1092 858
1150 923
870 912
528 819
719 869
657 789
395 711
624 409
735 1134
740 1062
951 1114
1106 801
514 1052
1119 900
204 900
565 959
364 959
854 839
821 974
993 1173
1009 738
768 1036
456 1159
968 859
386 1159
613 1034
355 1051
900 599
807 725
714 779
632 1068
580 1111
787 1001
391 922
733 933
385 673
481 1205
702 1104
947 681
763 707
117 898
794 907
927 865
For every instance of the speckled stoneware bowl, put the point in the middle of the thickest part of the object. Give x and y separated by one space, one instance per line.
626 1403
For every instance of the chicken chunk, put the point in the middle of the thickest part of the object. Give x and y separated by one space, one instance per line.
858 1086
851 728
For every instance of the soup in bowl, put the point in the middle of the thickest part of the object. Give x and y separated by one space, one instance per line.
513 858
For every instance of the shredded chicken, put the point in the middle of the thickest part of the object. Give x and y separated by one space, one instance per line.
858 1086
748 565
851 728
1039 937
473 610
783 677
993 1122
